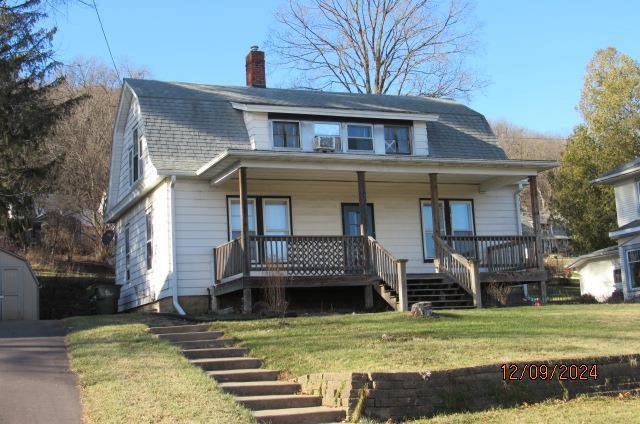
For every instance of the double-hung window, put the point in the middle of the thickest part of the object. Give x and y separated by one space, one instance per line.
149 225
633 260
397 139
427 228
286 134
360 137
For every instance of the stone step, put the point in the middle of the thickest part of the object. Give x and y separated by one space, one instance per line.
204 344
260 388
279 401
311 415
196 328
215 352
200 335
231 363
250 374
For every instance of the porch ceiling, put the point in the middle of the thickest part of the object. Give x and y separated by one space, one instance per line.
341 167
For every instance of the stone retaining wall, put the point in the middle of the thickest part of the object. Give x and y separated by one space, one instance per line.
384 395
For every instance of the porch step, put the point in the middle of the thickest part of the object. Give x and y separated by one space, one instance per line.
279 401
199 335
215 352
260 388
205 344
231 363
196 328
442 293
311 415
248 374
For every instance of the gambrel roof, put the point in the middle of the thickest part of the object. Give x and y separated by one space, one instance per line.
186 125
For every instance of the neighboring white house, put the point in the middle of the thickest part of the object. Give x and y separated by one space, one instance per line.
304 166
599 273
625 180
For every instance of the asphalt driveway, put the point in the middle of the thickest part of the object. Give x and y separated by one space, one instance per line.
36 385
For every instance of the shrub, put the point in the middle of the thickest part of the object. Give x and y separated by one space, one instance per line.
499 292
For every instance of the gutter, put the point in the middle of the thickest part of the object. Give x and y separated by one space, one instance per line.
174 254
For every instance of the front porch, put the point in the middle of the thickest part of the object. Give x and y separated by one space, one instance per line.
254 257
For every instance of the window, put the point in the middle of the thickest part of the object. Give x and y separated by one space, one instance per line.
456 218
127 253
427 228
135 158
397 139
633 258
327 129
360 137
235 220
275 221
149 240
286 134
351 219
638 193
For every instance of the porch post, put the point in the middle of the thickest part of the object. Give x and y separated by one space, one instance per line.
435 203
364 224
244 237
537 231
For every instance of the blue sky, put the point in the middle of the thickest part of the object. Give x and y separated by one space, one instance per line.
533 52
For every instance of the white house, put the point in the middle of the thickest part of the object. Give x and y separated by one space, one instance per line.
625 181
199 172
599 273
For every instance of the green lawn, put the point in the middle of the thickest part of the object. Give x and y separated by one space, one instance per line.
594 410
129 376
397 342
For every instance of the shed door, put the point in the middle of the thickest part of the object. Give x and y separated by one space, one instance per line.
10 306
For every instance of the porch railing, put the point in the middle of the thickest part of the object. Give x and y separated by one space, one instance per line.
309 255
228 259
496 253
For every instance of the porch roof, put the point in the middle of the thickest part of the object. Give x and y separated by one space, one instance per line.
280 164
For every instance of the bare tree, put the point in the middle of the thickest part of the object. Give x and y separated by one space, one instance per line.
378 46
81 144
522 143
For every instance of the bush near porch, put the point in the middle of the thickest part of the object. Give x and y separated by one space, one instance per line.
396 342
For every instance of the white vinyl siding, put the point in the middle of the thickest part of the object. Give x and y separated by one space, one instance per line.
316 210
627 201
144 285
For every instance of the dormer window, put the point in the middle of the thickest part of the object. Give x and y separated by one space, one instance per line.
360 137
397 139
286 134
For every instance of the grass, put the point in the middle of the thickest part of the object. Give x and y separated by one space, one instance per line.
581 410
129 376
397 342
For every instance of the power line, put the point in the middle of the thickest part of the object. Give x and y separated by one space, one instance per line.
104 34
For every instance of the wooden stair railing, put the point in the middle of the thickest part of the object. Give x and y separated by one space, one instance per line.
228 260
391 270
465 272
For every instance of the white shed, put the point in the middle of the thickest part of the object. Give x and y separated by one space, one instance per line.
19 299
599 273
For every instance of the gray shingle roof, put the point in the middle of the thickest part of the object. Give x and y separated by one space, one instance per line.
624 169
187 125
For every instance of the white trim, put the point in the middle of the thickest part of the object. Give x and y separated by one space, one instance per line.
285 200
247 107
621 233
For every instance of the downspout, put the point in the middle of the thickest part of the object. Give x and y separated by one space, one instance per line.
174 254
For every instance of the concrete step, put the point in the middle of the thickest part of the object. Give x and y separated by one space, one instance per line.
199 335
279 401
260 388
204 344
196 328
215 352
311 415
250 374
231 363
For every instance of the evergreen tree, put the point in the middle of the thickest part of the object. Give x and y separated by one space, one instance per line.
28 111
609 136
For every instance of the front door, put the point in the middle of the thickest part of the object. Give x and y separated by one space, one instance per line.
9 294
351 220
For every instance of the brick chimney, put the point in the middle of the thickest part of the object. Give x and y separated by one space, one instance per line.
255 68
